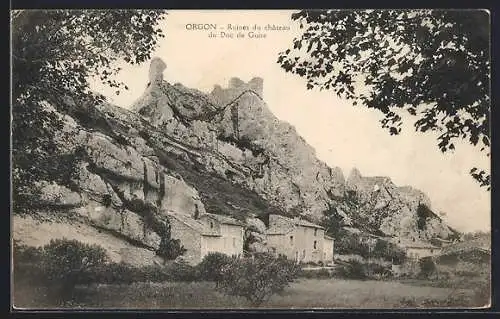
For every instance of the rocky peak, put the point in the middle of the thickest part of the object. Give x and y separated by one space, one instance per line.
237 87
156 68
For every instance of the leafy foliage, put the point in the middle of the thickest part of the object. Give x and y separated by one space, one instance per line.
433 64
71 262
66 262
427 267
169 248
389 252
62 264
321 273
213 265
258 278
54 54
353 270
333 222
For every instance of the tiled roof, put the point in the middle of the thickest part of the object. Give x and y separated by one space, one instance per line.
414 244
288 225
274 230
192 223
305 223
224 219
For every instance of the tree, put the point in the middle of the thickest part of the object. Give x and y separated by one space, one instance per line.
433 64
258 278
213 265
66 263
332 221
169 248
54 54
427 267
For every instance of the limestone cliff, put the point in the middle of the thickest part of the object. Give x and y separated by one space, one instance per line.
184 150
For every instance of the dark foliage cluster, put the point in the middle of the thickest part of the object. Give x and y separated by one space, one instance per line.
433 65
55 53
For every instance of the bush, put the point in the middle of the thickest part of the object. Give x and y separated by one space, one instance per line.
351 244
315 274
65 258
378 271
169 248
427 267
25 254
118 273
27 263
182 271
121 273
213 265
259 277
60 265
66 262
352 270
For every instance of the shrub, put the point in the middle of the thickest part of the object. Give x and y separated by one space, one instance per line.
27 263
352 270
121 273
259 277
315 274
427 267
63 259
66 262
448 259
389 252
60 265
213 265
181 271
117 273
378 271
24 254
351 244
169 248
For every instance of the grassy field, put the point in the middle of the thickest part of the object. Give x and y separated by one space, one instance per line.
305 293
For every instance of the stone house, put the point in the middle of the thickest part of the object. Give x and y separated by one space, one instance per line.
421 250
417 249
206 233
299 240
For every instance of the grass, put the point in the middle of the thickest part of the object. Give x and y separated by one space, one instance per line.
305 293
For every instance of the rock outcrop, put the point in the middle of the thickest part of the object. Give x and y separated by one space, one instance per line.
224 152
396 211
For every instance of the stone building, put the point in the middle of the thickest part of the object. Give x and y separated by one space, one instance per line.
206 233
299 240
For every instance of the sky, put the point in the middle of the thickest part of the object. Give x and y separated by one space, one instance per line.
343 135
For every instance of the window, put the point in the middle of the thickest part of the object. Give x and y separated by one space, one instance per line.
234 242
211 225
315 244
432 250
291 240
315 232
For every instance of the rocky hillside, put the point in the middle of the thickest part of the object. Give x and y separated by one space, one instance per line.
180 149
